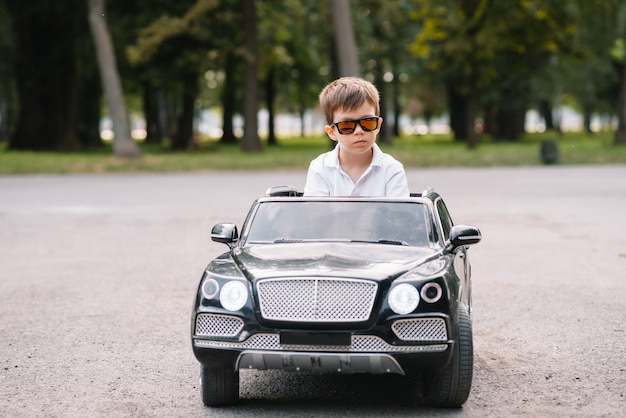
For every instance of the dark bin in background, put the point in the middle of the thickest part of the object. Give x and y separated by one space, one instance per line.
549 151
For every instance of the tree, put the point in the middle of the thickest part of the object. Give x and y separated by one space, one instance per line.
123 144
384 40
153 83
294 49
300 58
172 52
619 53
251 140
347 56
487 58
486 52
620 134
45 36
275 36
449 45
8 100
229 98
587 73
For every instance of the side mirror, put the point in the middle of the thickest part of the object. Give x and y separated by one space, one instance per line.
225 233
463 235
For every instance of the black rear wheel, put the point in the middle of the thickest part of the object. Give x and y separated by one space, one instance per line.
450 386
219 386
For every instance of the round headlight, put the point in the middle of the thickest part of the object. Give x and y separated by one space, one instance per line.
403 299
210 288
234 295
431 292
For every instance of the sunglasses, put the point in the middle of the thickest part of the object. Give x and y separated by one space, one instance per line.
368 124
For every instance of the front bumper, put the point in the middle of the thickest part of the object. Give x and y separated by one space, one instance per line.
419 343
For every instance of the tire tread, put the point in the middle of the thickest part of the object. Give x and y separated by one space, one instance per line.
219 386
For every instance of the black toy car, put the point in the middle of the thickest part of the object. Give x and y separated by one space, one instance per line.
340 285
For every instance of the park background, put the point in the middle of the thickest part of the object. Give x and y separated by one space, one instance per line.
99 271
207 84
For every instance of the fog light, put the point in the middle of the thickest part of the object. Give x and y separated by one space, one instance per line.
403 299
431 292
234 296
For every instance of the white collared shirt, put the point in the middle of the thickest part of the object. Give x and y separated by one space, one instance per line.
384 177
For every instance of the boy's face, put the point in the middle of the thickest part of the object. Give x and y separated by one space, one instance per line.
358 141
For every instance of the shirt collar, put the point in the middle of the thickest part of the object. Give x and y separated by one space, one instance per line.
333 157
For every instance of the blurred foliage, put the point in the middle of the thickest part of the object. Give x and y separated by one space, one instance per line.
295 153
507 56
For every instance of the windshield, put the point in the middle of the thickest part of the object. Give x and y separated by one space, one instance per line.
399 223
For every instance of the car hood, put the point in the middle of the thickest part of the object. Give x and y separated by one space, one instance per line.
374 261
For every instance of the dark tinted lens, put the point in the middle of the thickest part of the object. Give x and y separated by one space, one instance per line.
369 124
346 127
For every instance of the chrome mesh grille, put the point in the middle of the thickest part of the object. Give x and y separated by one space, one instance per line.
218 325
316 299
421 329
360 344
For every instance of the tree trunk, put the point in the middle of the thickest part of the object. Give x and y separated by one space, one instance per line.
89 88
587 114
229 101
456 104
396 108
428 114
270 95
511 114
88 108
301 114
385 134
46 81
470 120
345 43
463 111
545 109
511 123
620 134
154 132
471 112
490 126
184 139
123 145
5 120
251 141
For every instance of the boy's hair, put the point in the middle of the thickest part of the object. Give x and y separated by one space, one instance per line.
348 93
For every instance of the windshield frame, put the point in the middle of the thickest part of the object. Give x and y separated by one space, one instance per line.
429 229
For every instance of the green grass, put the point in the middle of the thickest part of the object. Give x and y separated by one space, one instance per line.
296 153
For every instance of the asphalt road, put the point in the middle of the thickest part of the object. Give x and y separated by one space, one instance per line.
98 274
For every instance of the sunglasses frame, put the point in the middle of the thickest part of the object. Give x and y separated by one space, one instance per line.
356 121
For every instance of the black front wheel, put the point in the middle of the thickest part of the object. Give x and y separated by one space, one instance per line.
450 386
219 386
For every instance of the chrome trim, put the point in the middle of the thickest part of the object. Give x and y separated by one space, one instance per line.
428 286
439 225
469 237
359 343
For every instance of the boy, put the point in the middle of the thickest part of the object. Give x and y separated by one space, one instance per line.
356 166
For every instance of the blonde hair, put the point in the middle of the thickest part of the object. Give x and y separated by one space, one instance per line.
348 93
